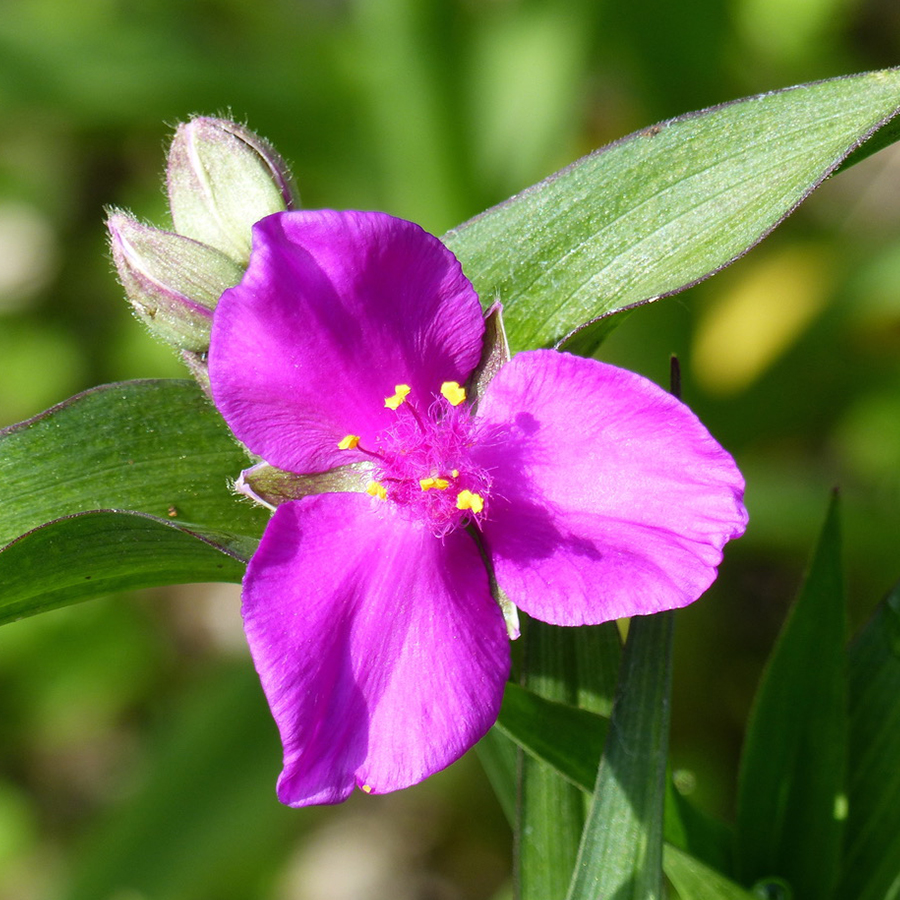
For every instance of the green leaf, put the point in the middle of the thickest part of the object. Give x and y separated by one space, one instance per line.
153 448
95 553
621 849
499 759
696 881
791 800
575 667
156 447
696 832
565 737
884 137
598 656
570 740
550 810
871 864
663 208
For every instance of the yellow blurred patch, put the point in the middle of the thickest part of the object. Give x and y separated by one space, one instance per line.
746 329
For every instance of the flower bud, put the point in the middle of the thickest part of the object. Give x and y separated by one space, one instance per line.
222 178
172 281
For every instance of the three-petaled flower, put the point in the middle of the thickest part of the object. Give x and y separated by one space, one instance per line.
586 491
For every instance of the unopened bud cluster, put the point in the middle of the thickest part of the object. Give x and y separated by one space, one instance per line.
221 179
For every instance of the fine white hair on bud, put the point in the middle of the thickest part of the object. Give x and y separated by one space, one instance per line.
172 282
222 178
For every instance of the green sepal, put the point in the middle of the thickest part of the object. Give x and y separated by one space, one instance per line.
269 486
494 354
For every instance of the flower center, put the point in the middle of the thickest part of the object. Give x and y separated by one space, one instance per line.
424 460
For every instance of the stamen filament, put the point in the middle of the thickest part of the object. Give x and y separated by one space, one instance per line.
417 417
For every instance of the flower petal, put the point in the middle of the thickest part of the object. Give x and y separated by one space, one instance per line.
334 311
380 649
609 497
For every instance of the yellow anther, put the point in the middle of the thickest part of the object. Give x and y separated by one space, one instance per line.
453 392
440 484
348 442
470 500
376 490
400 393
367 788
455 473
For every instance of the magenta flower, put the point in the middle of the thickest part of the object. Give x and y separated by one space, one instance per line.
590 492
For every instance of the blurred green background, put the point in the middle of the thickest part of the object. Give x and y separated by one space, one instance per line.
137 758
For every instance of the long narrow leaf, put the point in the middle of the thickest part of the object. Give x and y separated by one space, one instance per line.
621 849
791 787
871 863
571 674
566 737
570 740
121 487
550 809
95 553
157 447
499 758
696 881
696 832
664 207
